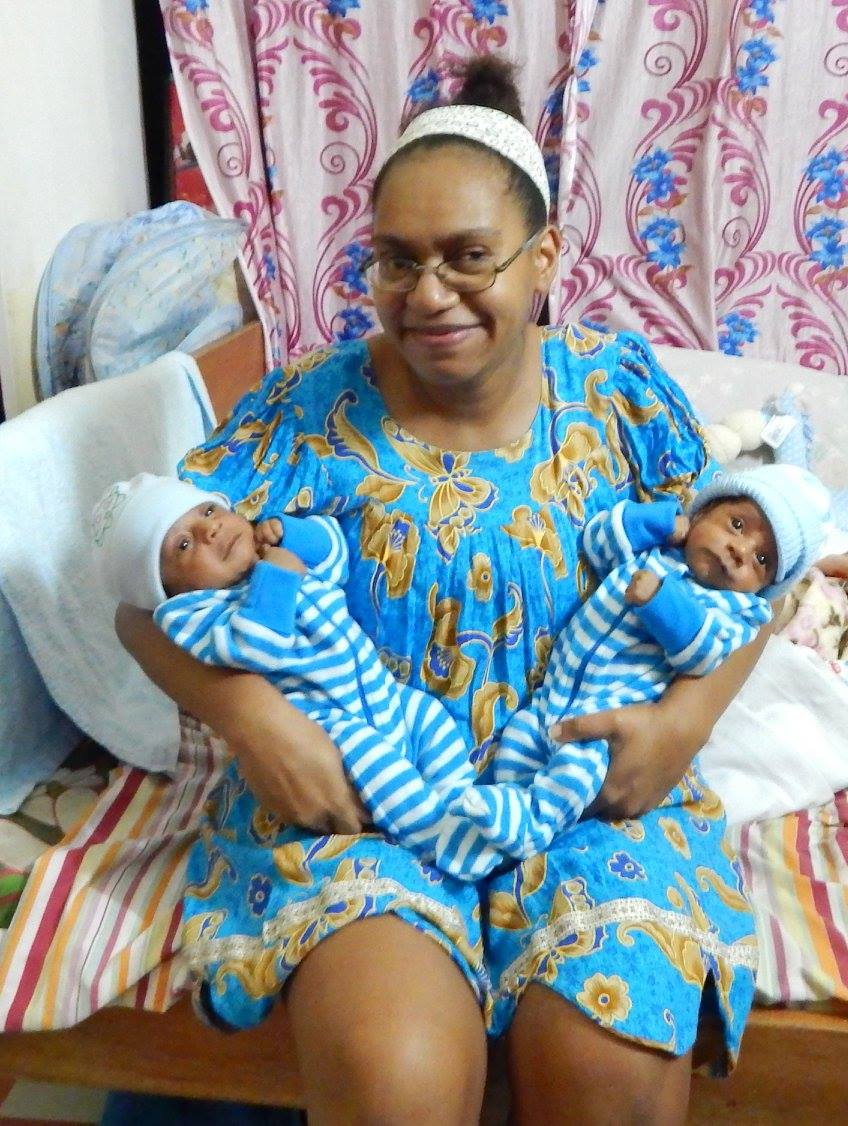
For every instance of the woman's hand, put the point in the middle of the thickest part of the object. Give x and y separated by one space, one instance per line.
286 759
298 777
648 755
651 745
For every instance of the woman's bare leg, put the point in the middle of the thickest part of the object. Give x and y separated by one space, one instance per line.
565 1068
387 1030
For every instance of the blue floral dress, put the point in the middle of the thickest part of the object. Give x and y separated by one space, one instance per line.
464 566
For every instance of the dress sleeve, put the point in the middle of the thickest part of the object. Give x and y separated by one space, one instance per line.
260 456
661 437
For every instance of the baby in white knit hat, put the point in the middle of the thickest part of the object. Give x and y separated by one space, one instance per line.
268 598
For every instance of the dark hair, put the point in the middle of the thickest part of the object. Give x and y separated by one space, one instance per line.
490 82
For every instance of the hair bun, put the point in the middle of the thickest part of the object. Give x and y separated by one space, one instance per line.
489 81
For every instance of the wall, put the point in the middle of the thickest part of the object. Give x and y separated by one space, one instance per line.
71 144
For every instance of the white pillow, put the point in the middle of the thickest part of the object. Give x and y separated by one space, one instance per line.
782 745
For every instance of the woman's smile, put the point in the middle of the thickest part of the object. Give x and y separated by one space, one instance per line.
440 336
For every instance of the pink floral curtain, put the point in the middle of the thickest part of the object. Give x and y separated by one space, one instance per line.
698 154
710 196
292 105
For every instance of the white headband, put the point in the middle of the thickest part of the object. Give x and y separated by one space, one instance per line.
490 127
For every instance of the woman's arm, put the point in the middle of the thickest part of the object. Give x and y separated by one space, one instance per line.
651 745
288 761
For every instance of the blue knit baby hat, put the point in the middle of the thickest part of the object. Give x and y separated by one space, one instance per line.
794 502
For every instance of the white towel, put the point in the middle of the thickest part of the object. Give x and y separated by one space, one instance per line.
55 461
782 745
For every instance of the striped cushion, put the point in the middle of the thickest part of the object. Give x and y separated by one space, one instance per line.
100 918
796 868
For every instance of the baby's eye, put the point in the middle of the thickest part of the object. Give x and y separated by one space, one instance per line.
762 558
737 523
209 509
184 544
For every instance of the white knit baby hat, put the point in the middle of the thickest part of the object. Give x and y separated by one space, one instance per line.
128 525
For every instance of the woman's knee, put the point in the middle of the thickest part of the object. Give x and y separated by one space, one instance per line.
563 1066
386 1029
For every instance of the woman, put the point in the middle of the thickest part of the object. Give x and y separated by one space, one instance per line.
462 451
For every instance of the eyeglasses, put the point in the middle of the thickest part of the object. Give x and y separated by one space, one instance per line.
469 272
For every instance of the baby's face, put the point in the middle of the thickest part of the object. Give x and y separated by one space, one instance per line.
731 546
210 547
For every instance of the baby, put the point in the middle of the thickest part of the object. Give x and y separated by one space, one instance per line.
678 595
267 598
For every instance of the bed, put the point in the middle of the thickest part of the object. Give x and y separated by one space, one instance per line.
792 1064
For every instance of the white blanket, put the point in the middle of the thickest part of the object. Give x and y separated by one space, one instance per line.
55 461
782 744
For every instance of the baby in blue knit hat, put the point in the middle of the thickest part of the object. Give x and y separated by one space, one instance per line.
678 594
268 598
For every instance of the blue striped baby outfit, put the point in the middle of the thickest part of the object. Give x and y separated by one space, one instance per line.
609 655
400 748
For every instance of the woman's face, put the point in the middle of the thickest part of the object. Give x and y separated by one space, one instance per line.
440 204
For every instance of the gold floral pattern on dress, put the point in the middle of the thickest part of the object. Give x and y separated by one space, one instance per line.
264 826
398 665
291 373
391 540
252 505
538 530
635 830
457 495
516 450
730 897
480 579
566 478
446 670
675 836
606 998
585 341
218 867
343 440
543 642
483 704
251 431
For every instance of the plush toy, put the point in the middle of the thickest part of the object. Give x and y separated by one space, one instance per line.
784 425
740 432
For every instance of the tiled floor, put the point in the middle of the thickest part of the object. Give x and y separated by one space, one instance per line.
26 1104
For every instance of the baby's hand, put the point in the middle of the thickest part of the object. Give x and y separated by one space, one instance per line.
834 566
641 588
281 557
267 532
680 531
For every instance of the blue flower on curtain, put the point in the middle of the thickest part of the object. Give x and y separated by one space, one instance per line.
356 323
585 63
666 251
830 252
737 330
352 275
553 137
425 88
269 265
193 7
488 10
340 7
653 170
750 76
826 169
763 10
